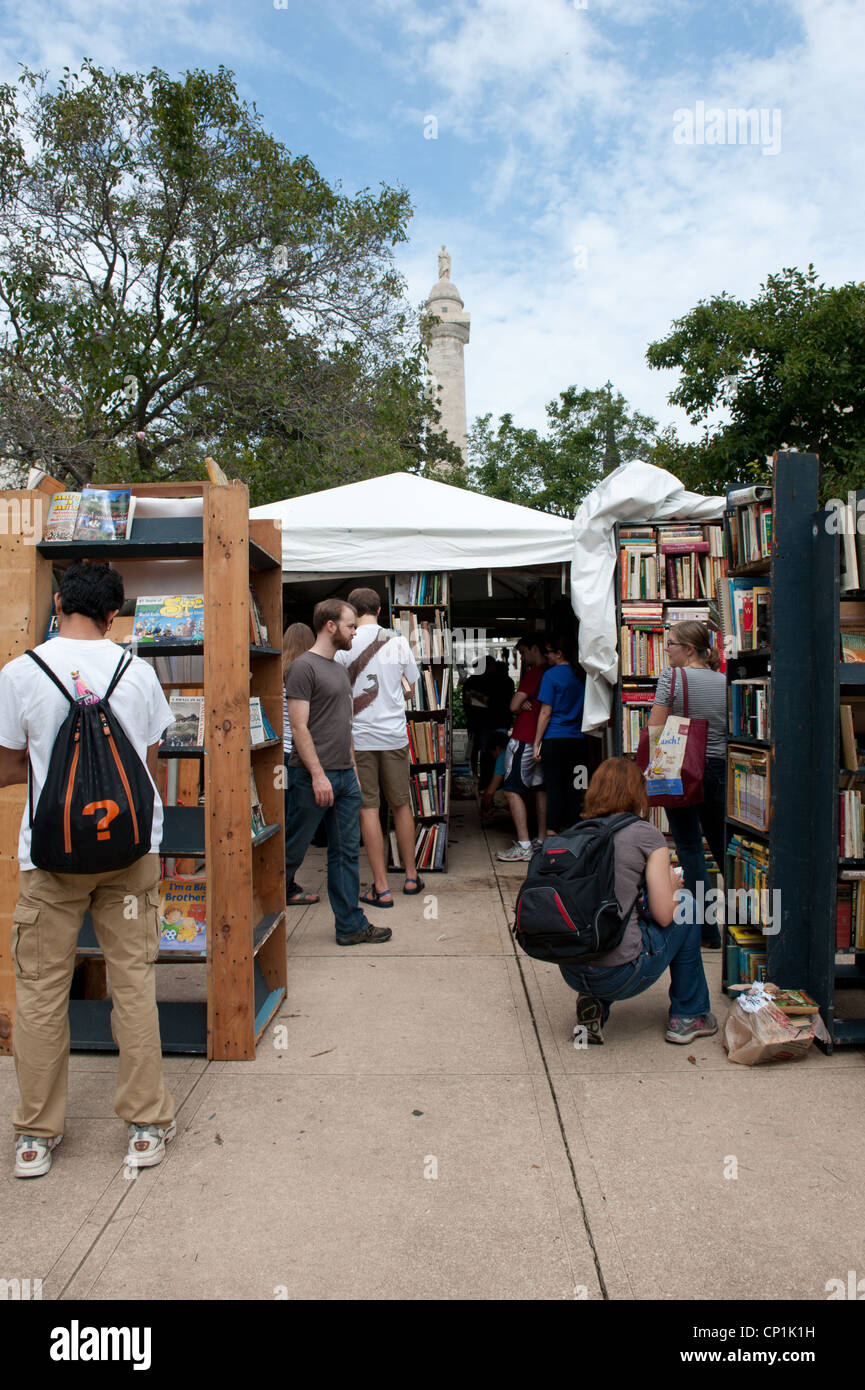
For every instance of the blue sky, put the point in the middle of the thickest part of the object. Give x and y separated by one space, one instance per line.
579 227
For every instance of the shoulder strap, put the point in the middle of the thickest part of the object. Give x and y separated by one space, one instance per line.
684 693
673 690
47 669
120 670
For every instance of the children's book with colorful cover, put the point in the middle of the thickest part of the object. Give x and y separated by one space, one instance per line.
62 515
104 514
183 915
162 618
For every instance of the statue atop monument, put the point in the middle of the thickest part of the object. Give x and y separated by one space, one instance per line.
444 264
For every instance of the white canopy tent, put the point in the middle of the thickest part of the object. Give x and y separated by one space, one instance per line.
402 522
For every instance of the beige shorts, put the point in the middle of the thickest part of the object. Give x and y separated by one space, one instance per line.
387 768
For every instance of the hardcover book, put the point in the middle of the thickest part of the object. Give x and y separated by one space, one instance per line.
183 915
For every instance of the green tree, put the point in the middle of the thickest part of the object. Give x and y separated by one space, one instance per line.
788 368
175 283
588 433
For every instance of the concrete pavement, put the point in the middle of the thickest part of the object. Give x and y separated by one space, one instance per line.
430 1132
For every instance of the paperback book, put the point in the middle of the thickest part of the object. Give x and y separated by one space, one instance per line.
104 514
187 731
161 618
62 515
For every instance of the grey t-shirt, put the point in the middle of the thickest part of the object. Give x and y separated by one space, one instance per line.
707 699
633 846
325 684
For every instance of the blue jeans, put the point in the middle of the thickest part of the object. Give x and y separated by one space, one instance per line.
688 824
342 821
676 946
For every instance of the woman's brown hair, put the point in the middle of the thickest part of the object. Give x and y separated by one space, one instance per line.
617 785
696 635
297 639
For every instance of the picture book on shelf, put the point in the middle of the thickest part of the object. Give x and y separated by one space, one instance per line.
169 618
62 515
187 731
104 514
183 915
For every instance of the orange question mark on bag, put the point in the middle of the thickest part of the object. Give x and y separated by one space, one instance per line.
111 810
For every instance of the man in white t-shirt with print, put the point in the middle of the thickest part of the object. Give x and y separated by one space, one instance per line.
378 662
51 906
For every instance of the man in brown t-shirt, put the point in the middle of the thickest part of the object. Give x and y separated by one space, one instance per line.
322 776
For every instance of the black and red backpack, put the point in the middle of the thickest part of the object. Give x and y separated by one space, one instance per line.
95 810
567 910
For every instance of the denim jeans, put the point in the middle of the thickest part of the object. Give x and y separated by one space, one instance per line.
676 946
688 824
342 821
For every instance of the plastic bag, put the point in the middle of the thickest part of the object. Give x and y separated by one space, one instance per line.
756 1031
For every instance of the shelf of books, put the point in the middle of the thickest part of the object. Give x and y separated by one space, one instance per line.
213 634
840 969
420 610
775 826
666 574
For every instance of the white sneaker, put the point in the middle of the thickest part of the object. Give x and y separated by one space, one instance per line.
536 845
147 1144
33 1155
516 852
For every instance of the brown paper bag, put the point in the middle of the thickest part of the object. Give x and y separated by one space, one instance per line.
768 1035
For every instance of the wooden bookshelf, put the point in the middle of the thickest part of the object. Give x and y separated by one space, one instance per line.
245 961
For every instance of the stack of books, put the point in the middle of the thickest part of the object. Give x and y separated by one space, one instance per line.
746 955
421 589
427 741
638 563
637 704
850 911
745 611
257 628
427 638
430 793
748 525
751 708
850 825
641 640
430 846
748 787
426 694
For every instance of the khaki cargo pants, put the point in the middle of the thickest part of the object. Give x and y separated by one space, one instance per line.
46 923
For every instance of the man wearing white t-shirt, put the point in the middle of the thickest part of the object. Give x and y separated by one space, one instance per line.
378 662
124 904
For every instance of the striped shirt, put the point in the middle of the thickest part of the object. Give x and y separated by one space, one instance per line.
707 699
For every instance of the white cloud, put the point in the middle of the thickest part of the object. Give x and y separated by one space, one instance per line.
664 225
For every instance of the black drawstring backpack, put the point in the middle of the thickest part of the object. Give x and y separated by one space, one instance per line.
567 910
95 811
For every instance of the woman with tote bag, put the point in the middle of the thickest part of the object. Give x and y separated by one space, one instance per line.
705 689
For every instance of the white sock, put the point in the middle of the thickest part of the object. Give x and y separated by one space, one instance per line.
524 844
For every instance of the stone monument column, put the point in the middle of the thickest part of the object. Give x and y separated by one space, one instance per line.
448 335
